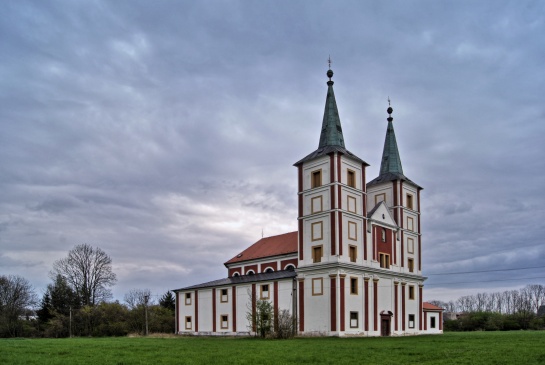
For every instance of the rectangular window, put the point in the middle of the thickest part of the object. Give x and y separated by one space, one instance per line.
353 285
265 291
224 322
411 292
317 254
432 322
410 245
410 223
351 178
411 320
410 264
187 323
410 201
224 298
353 319
317 286
380 198
187 298
316 179
317 231
353 253
352 231
316 204
384 260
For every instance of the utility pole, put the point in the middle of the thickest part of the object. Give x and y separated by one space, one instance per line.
146 297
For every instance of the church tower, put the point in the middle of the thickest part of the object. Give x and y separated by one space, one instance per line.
331 221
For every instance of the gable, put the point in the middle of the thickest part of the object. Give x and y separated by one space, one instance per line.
381 215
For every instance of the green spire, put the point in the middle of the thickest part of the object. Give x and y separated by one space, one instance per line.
332 132
391 162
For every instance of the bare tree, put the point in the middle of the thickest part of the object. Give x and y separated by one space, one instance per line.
16 296
89 271
137 297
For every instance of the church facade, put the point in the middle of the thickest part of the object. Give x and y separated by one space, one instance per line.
353 267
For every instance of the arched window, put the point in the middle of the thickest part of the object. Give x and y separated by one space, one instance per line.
269 269
236 274
250 272
289 267
383 235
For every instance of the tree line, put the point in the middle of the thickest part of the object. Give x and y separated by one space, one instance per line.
508 310
78 302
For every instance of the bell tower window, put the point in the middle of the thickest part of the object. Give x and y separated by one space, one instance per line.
316 179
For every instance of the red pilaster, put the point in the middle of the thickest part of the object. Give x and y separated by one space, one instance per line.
214 310
275 305
396 305
419 234
425 321
420 306
340 218
196 311
366 302
301 305
375 302
254 299
300 199
333 250
333 300
441 321
234 307
403 285
396 208
342 289
176 325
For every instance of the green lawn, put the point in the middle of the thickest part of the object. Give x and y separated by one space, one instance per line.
523 347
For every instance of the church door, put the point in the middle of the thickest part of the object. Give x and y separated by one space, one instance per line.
385 325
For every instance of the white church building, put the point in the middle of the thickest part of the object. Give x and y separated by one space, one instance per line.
353 267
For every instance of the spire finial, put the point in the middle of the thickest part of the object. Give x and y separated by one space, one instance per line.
329 72
389 111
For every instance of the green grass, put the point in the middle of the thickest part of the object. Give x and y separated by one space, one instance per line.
524 347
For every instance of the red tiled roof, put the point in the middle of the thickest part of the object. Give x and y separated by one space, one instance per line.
429 306
269 246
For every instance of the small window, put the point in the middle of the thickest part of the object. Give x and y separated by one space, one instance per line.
187 323
316 179
269 269
353 253
224 322
290 267
223 296
236 274
384 260
351 178
383 235
353 285
265 291
187 298
410 201
432 322
317 254
411 320
250 272
410 264
353 319
411 292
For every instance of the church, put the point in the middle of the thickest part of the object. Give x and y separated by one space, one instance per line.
353 267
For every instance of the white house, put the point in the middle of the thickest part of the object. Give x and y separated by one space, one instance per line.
354 265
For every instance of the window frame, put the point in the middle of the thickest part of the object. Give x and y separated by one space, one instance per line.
410 224
321 204
351 178
355 229
354 257
354 285
261 292
314 248
386 263
411 320
321 286
224 298
409 201
411 292
313 179
190 323
410 245
357 319
321 237
410 264
432 322
222 321
187 299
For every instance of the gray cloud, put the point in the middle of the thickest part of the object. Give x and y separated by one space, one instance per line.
165 133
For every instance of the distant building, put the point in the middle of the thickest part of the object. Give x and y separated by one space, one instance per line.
353 267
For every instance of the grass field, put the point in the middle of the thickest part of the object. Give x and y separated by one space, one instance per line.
450 348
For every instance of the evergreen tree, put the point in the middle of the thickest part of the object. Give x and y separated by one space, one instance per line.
167 301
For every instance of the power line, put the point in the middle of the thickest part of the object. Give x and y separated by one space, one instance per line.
485 281
480 271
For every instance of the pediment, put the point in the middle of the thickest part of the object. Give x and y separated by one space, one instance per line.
381 214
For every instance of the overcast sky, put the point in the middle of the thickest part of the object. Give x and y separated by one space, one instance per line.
164 132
